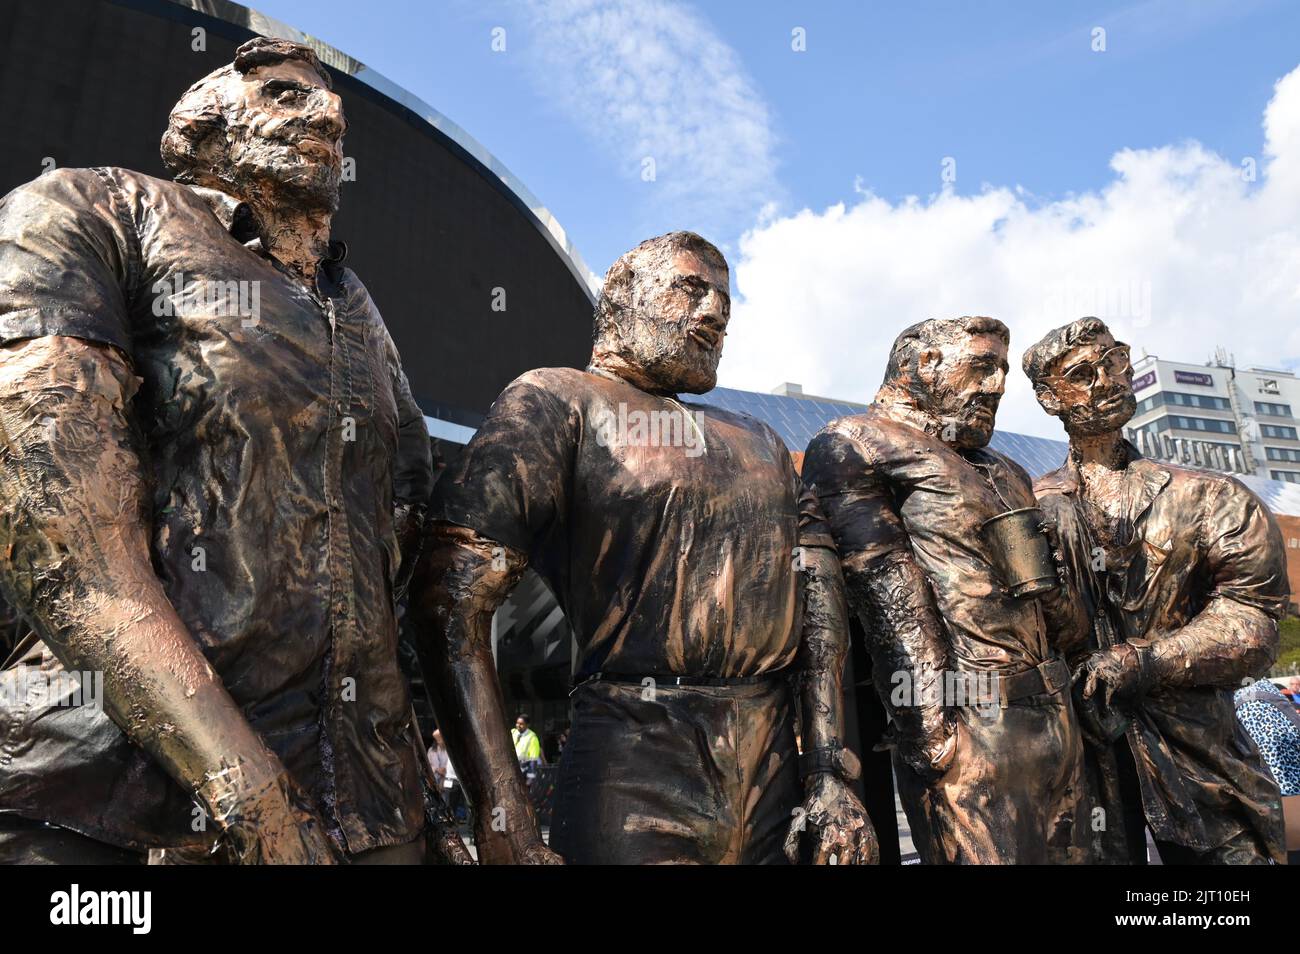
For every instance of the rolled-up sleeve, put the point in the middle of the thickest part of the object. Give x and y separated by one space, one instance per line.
66 253
1235 636
854 498
1246 552
512 481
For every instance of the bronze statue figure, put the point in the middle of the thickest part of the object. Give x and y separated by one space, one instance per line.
1182 576
987 751
701 584
210 461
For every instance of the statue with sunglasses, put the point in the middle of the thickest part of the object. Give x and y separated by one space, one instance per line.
1181 579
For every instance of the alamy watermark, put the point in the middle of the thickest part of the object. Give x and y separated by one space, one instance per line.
675 427
980 691
60 688
207 298
1128 300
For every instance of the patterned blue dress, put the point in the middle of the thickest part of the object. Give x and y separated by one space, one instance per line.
1276 735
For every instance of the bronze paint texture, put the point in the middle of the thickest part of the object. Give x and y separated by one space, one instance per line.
686 552
143 421
1182 574
906 487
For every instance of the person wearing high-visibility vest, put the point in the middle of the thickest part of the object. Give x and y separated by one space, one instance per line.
528 747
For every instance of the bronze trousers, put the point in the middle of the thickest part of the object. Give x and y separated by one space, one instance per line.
680 775
1014 793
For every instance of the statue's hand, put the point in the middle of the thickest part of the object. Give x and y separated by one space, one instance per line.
275 825
1053 534
1114 672
537 854
516 848
836 824
929 752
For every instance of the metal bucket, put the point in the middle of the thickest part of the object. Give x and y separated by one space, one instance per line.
1021 552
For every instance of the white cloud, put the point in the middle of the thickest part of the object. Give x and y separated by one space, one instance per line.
651 79
1178 252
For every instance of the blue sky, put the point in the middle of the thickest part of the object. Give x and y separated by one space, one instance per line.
1086 182
883 92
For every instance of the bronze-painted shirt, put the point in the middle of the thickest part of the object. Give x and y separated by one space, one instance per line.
886 485
277 433
670 554
1203 562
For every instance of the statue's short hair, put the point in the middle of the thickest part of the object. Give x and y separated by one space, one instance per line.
616 293
198 120
1040 357
906 351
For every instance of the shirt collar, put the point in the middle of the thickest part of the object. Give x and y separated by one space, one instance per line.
235 215
1154 477
238 218
897 408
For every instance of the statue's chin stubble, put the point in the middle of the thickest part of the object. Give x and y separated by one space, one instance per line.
681 373
1085 422
311 186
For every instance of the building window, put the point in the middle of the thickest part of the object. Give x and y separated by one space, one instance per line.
1272 410
1180 399
1201 424
1274 430
1196 400
1290 476
1283 453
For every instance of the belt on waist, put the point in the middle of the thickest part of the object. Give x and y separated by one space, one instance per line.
1048 677
669 680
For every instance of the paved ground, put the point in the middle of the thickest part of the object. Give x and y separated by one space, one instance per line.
905 836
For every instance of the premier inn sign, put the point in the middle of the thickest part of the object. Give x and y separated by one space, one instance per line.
1194 377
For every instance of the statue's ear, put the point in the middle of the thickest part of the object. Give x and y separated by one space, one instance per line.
619 276
927 366
1049 401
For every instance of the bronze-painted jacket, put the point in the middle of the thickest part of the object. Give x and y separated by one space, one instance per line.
1204 578
281 440
906 509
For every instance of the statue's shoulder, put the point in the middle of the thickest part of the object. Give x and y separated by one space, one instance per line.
868 428
89 184
1010 464
564 384
1059 481
1208 486
848 444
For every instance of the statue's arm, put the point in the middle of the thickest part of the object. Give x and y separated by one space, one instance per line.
461 579
492 512
824 642
891 596
1067 609
76 533
833 812
412 470
908 653
1235 636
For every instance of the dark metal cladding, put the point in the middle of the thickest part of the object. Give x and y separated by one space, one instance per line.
1182 574
697 579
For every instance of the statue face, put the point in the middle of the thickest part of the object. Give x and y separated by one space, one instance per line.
285 134
674 329
1091 386
963 380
